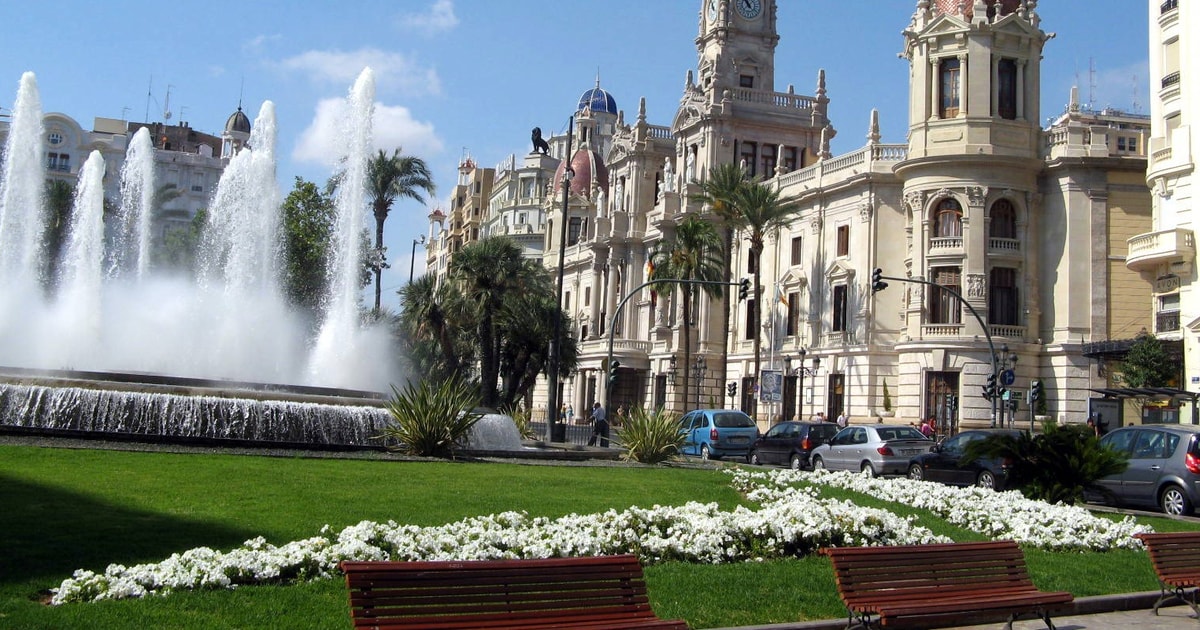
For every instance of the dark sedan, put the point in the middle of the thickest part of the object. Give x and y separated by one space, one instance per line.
946 462
791 443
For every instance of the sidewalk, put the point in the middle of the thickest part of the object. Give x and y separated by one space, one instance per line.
1104 612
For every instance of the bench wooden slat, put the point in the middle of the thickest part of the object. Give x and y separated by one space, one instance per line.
938 585
597 593
1175 557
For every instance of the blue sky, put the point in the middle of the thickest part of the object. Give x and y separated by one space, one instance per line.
472 77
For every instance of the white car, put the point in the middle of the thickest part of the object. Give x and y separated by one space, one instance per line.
878 449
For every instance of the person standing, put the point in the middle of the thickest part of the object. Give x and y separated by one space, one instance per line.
843 420
570 414
599 426
927 427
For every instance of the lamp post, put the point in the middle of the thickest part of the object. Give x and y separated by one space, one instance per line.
558 432
671 370
698 370
1005 361
412 260
801 372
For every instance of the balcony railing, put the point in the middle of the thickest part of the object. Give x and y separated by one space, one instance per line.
941 330
1167 321
1167 6
1004 244
1164 246
1170 79
946 242
1014 332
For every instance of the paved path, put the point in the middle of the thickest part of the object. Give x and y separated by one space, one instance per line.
1169 618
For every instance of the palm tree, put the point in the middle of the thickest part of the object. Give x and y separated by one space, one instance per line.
694 253
758 210
719 192
59 199
429 324
389 178
484 272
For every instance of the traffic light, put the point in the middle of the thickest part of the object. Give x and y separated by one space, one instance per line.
731 389
989 390
1035 390
612 372
743 289
877 283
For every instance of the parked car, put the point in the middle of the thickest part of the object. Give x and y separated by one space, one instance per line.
712 433
879 449
945 462
1164 467
791 443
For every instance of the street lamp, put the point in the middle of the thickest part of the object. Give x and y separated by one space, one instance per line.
412 260
1004 362
801 372
698 370
557 432
671 370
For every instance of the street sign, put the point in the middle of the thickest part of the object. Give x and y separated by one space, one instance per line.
1008 377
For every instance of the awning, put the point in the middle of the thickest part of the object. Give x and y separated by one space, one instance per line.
1147 392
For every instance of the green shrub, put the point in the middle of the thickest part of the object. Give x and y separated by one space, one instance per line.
523 418
1056 466
887 398
432 419
650 437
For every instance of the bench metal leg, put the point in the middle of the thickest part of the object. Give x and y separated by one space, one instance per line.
1045 616
1187 596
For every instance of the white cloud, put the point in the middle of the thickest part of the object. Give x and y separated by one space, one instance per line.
438 19
257 44
393 71
393 126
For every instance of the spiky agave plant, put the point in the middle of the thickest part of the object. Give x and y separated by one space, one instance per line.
650 437
431 419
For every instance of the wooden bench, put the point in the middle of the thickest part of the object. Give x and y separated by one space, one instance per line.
940 585
597 593
1176 560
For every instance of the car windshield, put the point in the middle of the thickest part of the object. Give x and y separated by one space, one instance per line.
899 433
732 420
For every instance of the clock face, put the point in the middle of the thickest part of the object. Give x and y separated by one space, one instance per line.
712 10
749 8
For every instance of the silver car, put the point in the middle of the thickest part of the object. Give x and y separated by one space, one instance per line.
1164 467
879 449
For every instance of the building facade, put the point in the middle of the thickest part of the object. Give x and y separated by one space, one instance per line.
1005 243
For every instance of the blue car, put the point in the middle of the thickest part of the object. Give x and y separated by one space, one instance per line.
713 433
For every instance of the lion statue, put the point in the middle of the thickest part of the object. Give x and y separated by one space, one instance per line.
539 145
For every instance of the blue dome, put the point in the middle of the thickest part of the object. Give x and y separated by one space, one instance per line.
598 100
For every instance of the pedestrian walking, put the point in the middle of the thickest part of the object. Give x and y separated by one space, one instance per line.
599 426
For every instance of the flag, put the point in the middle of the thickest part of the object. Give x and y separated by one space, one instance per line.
649 276
779 295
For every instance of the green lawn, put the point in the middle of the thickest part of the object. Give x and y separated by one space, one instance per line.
69 509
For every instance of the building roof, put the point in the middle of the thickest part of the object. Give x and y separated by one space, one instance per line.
238 122
951 7
598 100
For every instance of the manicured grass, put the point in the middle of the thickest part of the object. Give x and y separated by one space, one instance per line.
69 509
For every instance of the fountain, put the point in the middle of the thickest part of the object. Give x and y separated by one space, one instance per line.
104 343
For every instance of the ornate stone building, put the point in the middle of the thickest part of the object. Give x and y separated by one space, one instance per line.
1026 225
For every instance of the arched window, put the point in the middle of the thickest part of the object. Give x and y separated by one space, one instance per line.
947 219
1004 220
948 73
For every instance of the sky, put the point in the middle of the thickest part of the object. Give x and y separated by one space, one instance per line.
458 78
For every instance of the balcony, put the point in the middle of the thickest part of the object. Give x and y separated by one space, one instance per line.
941 330
1148 251
1004 245
1170 79
1167 6
1012 332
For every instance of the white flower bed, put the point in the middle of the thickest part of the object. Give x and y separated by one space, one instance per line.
999 515
790 522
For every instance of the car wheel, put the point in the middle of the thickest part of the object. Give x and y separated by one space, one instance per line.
705 454
796 463
986 480
867 469
753 458
1174 501
916 472
818 463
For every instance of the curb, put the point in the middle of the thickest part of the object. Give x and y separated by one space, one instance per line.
1093 605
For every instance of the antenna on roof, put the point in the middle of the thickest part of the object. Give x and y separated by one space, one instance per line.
1137 107
167 104
1091 82
149 97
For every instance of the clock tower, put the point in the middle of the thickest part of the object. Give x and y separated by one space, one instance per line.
736 44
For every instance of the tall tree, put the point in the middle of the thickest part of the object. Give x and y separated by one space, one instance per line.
1147 363
693 253
308 223
718 192
757 211
485 271
60 197
389 178
433 334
